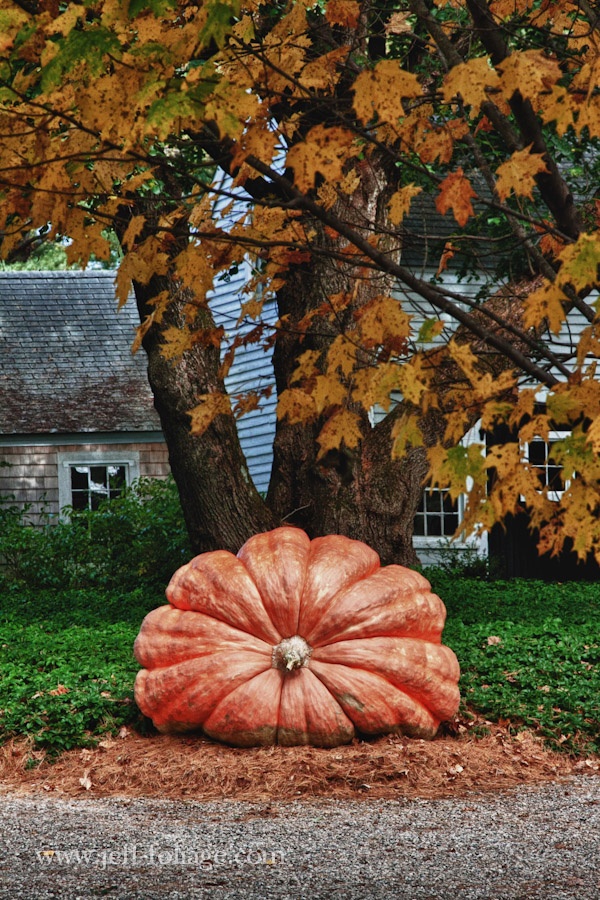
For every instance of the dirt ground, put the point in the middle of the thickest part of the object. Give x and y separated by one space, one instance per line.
459 761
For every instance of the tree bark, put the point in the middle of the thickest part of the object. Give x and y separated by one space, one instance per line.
221 506
361 493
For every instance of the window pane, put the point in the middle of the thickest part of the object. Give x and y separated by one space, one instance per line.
434 526
437 516
98 476
116 480
419 525
80 499
96 499
79 478
555 479
434 500
548 471
450 523
537 453
91 485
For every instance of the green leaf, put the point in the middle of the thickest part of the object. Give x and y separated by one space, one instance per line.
90 47
220 19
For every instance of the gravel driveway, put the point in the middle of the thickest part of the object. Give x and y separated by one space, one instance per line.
540 842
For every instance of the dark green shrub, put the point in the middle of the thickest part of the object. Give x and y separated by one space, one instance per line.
138 538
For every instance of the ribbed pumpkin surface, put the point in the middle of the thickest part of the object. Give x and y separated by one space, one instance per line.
295 641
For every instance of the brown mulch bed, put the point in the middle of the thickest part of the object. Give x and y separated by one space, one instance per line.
457 762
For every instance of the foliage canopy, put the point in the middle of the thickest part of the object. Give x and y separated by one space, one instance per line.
483 118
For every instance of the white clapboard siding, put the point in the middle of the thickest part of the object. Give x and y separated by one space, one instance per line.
252 370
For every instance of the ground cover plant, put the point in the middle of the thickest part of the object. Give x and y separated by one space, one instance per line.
73 596
529 653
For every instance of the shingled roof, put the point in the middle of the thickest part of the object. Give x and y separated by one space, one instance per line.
65 356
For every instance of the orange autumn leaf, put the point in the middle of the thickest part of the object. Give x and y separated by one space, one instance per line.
456 194
343 12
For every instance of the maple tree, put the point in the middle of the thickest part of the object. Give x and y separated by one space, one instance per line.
354 137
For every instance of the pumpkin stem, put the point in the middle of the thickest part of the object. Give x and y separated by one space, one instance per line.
291 653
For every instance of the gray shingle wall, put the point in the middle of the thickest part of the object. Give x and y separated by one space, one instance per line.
66 364
65 358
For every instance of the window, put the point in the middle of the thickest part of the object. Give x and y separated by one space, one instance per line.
85 479
437 516
539 454
90 485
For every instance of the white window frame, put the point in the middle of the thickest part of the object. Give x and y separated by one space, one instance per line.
553 436
130 460
425 540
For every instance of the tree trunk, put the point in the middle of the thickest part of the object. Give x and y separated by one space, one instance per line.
362 493
221 506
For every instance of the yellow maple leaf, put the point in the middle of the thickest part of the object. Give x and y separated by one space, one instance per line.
465 358
589 344
327 391
517 174
531 72
323 73
209 407
195 269
350 182
133 230
399 205
342 355
11 22
410 384
504 9
593 434
325 152
557 106
141 332
295 405
456 194
176 341
406 433
580 262
589 116
377 385
383 322
524 406
471 81
231 107
379 92
545 304
341 428
66 21
307 365
257 140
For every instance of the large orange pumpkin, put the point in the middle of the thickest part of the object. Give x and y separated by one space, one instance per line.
295 641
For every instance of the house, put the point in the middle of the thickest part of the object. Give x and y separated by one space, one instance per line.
77 419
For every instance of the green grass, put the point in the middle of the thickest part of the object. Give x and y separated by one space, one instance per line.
529 654
81 641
